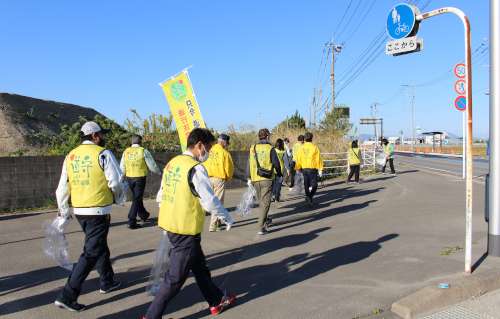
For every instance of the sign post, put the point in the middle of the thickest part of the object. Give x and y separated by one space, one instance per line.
461 104
400 24
403 26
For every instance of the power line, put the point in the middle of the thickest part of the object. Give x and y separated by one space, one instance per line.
350 18
342 18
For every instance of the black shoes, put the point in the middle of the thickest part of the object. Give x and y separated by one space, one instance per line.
146 219
71 306
115 285
134 226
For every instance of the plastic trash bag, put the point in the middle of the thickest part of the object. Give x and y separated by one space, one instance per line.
55 245
246 203
382 159
298 186
123 199
160 266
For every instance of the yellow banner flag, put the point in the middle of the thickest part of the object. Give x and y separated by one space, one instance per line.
183 105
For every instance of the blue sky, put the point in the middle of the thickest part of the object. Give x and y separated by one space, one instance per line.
248 57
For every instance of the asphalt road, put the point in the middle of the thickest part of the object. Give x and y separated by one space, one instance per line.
360 248
451 164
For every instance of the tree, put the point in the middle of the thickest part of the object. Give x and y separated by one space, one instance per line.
335 122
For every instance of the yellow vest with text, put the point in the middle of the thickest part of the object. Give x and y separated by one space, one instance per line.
219 164
388 149
89 187
295 150
135 165
354 156
280 157
264 155
309 157
180 210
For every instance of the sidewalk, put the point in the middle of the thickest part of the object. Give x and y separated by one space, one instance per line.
361 248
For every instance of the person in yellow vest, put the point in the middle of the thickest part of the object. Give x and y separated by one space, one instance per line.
355 161
220 170
92 178
283 158
309 161
134 165
295 153
263 155
389 151
186 195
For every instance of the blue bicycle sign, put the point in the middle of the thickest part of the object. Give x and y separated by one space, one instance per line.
401 21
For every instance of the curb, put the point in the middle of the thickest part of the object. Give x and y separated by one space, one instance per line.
433 299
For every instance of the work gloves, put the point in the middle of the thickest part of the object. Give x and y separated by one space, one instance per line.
249 183
227 219
63 220
320 173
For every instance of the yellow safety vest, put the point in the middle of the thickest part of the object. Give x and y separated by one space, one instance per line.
219 164
388 150
309 156
295 150
264 155
180 211
280 157
135 165
89 187
354 156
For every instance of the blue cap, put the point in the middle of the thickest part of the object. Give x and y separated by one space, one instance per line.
225 138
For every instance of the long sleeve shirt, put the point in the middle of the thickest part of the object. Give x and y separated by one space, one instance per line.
113 175
150 162
274 159
199 179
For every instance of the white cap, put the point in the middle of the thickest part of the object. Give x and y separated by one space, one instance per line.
92 127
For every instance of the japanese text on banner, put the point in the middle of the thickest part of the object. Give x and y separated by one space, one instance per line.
183 106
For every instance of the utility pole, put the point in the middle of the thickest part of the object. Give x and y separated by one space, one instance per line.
309 112
314 105
258 123
375 126
334 49
412 96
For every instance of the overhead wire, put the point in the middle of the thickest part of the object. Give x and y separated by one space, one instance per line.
350 18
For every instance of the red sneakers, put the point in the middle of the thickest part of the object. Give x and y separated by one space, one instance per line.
226 301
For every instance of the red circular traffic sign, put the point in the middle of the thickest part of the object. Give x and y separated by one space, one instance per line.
461 87
460 103
460 71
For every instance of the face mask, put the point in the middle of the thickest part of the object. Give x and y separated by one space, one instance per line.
201 159
102 142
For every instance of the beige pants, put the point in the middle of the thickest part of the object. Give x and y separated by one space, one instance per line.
219 188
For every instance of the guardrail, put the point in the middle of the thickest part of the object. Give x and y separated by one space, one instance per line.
368 156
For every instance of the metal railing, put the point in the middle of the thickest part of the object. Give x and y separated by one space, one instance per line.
368 161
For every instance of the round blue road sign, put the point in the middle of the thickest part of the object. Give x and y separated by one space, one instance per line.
460 103
400 21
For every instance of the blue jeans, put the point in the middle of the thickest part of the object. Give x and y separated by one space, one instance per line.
277 188
185 256
95 253
137 186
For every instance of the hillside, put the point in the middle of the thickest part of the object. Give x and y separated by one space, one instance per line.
22 116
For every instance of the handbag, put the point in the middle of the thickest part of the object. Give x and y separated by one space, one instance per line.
261 171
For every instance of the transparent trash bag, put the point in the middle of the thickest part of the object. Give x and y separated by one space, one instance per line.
298 184
55 245
382 159
123 199
246 203
160 266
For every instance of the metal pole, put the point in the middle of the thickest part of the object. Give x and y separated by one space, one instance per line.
333 77
412 137
314 113
258 123
494 174
463 148
468 97
309 112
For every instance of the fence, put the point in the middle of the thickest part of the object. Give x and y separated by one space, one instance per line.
368 156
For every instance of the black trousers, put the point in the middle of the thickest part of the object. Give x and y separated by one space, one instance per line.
137 186
95 253
185 256
391 164
354 170
310 180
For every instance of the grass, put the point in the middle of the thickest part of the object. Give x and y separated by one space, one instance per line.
47 203
450 250
378 311
27 115
477 150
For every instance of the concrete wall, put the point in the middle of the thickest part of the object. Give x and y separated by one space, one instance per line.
26 180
